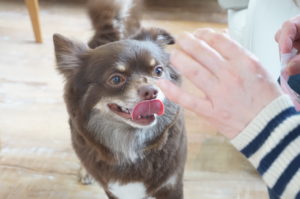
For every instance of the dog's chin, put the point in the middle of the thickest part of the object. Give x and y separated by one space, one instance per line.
124 114
137 125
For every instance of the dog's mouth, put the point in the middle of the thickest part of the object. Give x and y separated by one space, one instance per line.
143 113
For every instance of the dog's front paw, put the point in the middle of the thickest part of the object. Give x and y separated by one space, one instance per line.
87 179
84 177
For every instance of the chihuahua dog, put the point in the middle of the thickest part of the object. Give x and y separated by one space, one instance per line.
127 135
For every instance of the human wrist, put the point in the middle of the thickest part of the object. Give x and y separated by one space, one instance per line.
260 121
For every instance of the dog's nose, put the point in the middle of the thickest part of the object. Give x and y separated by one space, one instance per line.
147 92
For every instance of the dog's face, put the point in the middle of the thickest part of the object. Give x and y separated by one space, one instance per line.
118 79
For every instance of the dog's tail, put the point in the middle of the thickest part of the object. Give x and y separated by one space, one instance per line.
113 20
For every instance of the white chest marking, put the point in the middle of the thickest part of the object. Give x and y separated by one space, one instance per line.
135 190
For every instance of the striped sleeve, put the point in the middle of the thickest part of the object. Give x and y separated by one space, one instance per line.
271 142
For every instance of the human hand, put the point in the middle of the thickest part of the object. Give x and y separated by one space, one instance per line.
235 85
288 37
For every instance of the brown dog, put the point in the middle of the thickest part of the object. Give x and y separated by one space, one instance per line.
128 136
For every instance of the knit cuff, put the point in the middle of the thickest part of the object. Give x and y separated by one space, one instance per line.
261 120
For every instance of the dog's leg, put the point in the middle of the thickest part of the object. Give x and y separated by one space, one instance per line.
170 193
84 177
109 195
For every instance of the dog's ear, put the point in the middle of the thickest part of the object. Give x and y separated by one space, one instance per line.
157 35
69 55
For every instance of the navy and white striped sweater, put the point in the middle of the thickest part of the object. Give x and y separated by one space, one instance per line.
271 142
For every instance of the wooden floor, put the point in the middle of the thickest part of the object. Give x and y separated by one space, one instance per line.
36 158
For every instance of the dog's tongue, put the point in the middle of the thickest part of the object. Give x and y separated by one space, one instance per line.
146 108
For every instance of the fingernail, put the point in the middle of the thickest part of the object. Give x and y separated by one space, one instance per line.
185 40
290 68
199 32
196 32
225 31
287 50
186 35
286 57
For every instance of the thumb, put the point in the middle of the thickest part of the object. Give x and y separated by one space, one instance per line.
293 67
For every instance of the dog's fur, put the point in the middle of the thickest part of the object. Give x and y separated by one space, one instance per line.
129 160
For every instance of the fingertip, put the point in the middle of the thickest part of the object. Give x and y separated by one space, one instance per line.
187 33
277 36
225 31
183 35
174 55
285 45
293 67
176 58
201 31
285 49
185 39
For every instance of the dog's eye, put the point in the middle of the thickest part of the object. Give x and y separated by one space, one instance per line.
158 71
116 80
